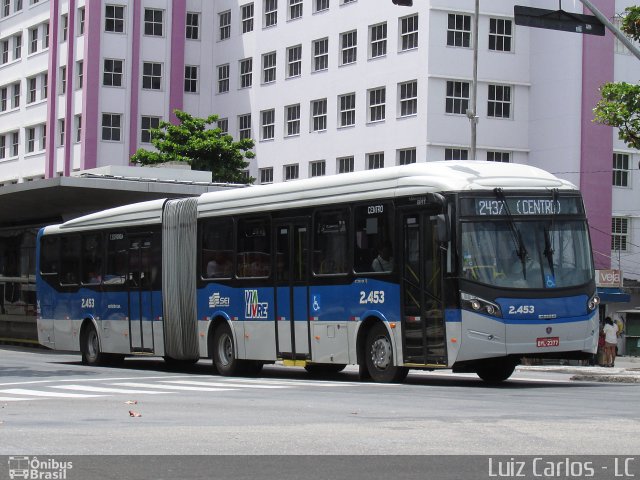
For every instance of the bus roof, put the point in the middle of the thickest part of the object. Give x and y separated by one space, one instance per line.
415 179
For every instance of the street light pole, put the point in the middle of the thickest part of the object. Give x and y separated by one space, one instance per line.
612 28
472 112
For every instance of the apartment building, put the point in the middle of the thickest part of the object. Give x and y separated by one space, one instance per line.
323 87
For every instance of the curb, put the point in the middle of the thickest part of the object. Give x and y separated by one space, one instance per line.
622 378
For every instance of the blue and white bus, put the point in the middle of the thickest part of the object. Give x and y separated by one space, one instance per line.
463 265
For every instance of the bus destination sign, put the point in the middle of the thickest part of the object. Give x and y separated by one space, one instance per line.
521 206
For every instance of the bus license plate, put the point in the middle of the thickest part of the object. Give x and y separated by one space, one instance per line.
548 342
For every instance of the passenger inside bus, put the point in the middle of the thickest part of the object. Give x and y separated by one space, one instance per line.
384 261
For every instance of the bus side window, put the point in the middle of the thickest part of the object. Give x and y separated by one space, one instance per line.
50 255
254 247
331 245
217 248
70 260
117 259
92 259
373 239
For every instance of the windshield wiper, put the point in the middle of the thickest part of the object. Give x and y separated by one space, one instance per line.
516 236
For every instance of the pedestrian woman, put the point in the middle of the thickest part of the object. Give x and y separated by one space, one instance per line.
610 341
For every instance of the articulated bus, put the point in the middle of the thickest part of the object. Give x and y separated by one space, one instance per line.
465 265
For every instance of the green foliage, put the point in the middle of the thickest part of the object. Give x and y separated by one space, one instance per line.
207 149
620 107
631 23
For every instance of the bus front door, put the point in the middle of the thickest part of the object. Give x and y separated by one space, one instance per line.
140 295
291 292
423 324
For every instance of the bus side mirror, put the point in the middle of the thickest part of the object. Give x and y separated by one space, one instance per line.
442 227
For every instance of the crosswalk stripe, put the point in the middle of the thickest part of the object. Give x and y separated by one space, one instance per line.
224 384
13 399
172 387
38 393
90 388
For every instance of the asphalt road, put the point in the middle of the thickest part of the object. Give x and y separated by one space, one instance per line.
50 404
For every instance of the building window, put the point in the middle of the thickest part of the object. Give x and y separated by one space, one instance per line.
347 105
153 22
33 43
320 54
317 169
193 26
223 78
459 30
295 9
378 40
5 52
43 136
320 5
61 131
6 8
457 100
292 120
619 233
31 139
244 126
348 47
268 118
499 103
291 172
269 67
294 61
114 19
246 74
224 20
31 93
151 76
45 34
456 154
3 147
63 80
377 102
44 87
406 156
345 164
81 14
3 99
15 101
266 175
409 32
319 115
375 160
500 35
17 46
223 125
620 170
78 120
191 79
111 125
80 73
146 124
112 76
408 93
65 26
270 13
504 157
247 18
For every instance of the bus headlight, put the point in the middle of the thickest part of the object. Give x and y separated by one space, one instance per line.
593 303
476 304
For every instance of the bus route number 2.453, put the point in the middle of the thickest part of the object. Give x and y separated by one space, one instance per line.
88 303
374 296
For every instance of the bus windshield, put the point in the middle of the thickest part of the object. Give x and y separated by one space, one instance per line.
556 254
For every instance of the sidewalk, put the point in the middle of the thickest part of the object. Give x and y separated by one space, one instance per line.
626 370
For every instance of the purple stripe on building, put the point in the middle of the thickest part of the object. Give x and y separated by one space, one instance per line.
91 90
135 75
52 89
597 140
71 63
178 39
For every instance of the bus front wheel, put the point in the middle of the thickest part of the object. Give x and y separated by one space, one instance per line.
379 357
224 352
91 354
496 371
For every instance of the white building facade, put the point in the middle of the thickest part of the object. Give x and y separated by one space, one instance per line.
323 87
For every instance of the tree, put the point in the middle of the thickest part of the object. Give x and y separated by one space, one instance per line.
620 103
207 149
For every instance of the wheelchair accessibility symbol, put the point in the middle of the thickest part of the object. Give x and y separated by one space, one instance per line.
316 303
550 281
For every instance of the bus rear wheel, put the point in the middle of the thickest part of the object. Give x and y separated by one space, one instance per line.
224 352
496 371
379 357
90 348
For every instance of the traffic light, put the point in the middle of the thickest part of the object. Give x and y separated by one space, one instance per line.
404 3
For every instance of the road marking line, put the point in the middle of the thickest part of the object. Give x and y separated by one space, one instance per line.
38 393
172 387
223 384
16 399
89 388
